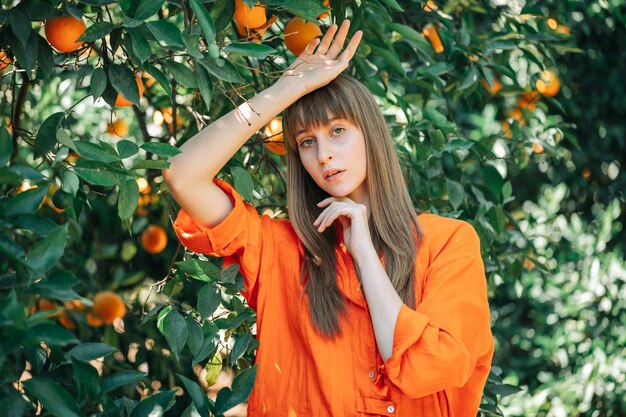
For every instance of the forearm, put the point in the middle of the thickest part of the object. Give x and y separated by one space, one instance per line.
210 149
382 299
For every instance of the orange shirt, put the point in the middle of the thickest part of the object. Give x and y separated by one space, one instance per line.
442 350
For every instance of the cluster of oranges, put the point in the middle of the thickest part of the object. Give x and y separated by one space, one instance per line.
107 307
5 60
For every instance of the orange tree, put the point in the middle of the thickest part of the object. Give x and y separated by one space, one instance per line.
85 212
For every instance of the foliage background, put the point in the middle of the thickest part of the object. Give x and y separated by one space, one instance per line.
551 222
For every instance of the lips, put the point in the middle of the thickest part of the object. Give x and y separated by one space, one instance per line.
331 172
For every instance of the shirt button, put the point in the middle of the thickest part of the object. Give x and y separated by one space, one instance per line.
372 374
391 409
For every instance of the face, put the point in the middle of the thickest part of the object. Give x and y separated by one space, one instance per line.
335 157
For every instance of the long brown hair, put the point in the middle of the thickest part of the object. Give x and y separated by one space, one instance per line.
393 222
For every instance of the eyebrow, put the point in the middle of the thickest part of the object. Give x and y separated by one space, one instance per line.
332 119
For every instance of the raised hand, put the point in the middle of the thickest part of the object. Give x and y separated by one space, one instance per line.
321 61
354 222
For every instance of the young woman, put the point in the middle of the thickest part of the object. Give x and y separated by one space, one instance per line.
363 307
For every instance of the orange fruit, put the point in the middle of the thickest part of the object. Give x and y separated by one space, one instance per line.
537 147
430 32
43 304
63 33
93 321
517 114
497 86
254 34
506 129
108 306
586 173
8 124
249 18
144 186
430 6
5 60
150 80
154 239
274 136
72 157
118 128
528 101
299 33
548 83
121 101
323 15
74 305
66 321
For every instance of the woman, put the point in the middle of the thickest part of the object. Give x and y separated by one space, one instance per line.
363 307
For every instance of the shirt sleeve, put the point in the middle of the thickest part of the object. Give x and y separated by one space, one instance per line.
237 238
437 346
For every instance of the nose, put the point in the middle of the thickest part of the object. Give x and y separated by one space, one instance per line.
324 151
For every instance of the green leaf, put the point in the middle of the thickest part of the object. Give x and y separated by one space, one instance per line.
98 82
242 386
20 25
438 120
504 390
456 193
205 20
120 379
306 9
240 347
205 85
90 351
51 333
26 54
251 49
196 335
470 77
58 286
393 5
437 139
161 79
25 202
229 274
87 380
227 72
209 298
147 8
97 173
167 34
123 80
151 164
47 134
192 43
196 393
127 199
140 45
90 150
6 144
45 59
457 145
97 31
155 405
56 400
390 58
420 43
175 332
182 74
44 254
161 149
64 139
243 182
126 148
41 225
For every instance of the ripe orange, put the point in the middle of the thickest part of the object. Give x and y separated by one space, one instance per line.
274 136
121 101
430 6
93 321
497 86
118 128
63 32
8 124
506 129
548 83
516 114
74 305
72 157
323 15
5 60
150 80
431 34
299 33
108 306
154 239
537 147
249 18
528 101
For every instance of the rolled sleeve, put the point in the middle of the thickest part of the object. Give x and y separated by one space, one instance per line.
237 238
437 346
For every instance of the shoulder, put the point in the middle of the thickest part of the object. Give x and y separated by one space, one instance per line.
440 233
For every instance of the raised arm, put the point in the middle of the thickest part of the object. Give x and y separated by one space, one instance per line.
191 173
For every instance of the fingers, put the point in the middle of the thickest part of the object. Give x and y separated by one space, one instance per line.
329 215
339 40
327 40
350 50
308 50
